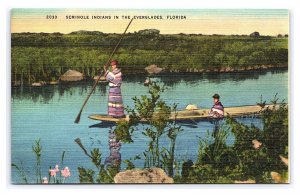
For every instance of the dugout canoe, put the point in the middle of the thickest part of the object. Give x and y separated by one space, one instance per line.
197 114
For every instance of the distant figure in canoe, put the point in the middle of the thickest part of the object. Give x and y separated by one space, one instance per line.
115 103
217 111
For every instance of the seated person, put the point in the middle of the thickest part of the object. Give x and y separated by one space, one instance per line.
217 111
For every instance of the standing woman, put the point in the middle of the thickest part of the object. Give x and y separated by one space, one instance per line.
115 102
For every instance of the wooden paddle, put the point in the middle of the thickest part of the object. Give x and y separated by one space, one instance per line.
95 84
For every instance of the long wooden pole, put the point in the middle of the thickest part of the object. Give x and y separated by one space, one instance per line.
95 84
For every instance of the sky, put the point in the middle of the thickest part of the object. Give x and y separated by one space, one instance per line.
204 21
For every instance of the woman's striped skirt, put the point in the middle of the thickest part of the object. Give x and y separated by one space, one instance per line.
115 102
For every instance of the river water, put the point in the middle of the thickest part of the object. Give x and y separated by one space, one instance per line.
49 112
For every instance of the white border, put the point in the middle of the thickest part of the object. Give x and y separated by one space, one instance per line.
6 5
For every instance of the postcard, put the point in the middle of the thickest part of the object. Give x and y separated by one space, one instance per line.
157 96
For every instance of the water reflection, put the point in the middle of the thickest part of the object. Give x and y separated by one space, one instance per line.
46 93
172 80
114 158
104 124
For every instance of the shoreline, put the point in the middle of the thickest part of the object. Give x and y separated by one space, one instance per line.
191 71
232 70
214 71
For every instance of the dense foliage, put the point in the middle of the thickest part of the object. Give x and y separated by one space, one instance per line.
155 114
243 161
46 56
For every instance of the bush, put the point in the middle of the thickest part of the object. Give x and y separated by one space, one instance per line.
219 163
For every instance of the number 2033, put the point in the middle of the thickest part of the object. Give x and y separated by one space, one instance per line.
51 17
